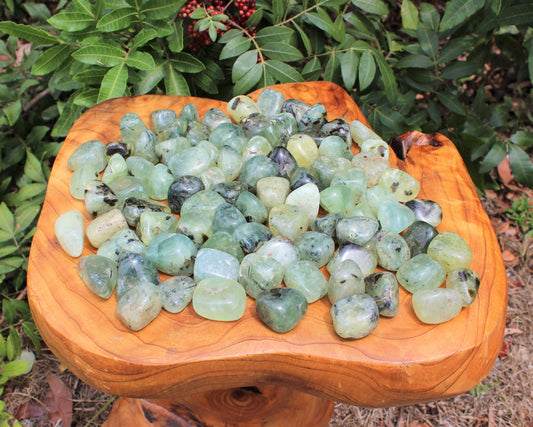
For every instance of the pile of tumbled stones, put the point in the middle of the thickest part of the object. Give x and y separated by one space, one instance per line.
248 188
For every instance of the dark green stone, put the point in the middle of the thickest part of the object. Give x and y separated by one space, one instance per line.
231 190
257 167
134 207
383 287
134 269
227 217
251 234
251 207
281 309
181 189
99 274
418 237
326 224
315 247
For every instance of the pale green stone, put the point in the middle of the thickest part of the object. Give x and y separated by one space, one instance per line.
426 210
133 270
99 274
307 278
89 153
303 148
325 168
346 280
120 243
167 148
160 119
104 226
128 186
353 178
79 180
313 118
421 273
466 282
230 162
131 127
177 293
392 251
287 220
172 253
217 298
69 232
197 227
283 127
251 207
191 161
335 146
241 106
373 197
116 168
145 146
315 247
176 129
196 132
258 273
358 230
215 117
383 287
355 316
272 190
139 306
326 224
212 151
140 168
159 182
404 186
362 209
204 202
282 249
212 176
214 263
451 250
227 134
373 165
377 146
256 145
257 167
270 101
436 305
224 241
227 218
99 198
307 197
152 224
337 198
365 258
361 132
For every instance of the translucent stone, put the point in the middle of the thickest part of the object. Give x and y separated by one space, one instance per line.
139 167
215 117
177 293
315 247
251 207
251 234
327 223
217 298
126 187
172 253
189 113
145 146
204 202
99 198
272 190
259 273
383 287
99 274
212 151
436 305
302 176
140 306
361 132
167 148
181 189
160 119
284 125
337 127
373 197
133 270
197 227
451 250
394 216
69 232
335 146
241 106
281 309
227 217
255 146
176 129
118 147
346 280
230 163
282 249
426 210
418 236
295 107
79 180
392 251
270 101
257 167
131 127
214 263
89 153
325 168
134 207
373 165
120 243
287 220
224 241
355 316
212 176
285 161
357 230
377 146
191 161
307 197
159 182
337 198
403 186
224 133
421 273
362 209
196 132
104 226
152 224
313 118
353 178
258 124
303 148
364 257
306 277
466 282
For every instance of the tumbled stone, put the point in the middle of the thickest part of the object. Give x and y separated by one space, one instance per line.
160 119
212 176
128 186
285 161
315 247
116 168
346 280
120 243
383 287
373 197
258 273
258 124
306 277
404 186
394 216
89 153
224 135
104 226
353 178
215 117
364 257
159 182
325 168
302 176
241 106
335 146
326 224
99 274
218 298
355 316
212 151
361 209
197 227
255 146
281 309
177 293
134 207
287 220
181 189
172 253
280 248
196 132
145 146
451 250
270 101
418 237
295 107
204 202
373 165
307 197
230 162
139 306
392 251
69 232
152 224
79 180
466 282
313 118
257 167
118 147
272 190
337 198
140 168
224 241
337 127
434 306
251 207
357 230
361 132
214 263
227 218
131 127
167 148
133 270
377 146
303 148
426 210
99 198
421 273
251 234
231 191
191 161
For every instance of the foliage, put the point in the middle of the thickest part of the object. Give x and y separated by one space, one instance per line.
521 212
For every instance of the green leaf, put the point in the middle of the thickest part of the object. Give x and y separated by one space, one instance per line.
3 349
150 79
278 9
162 9
530 59
71 21
10 264
429 41
376 7
67 118
349 68
26 192
7 250
37 11
13 344
322 20
459 70
458 11
143 37
305 39
31 332
90 77
28 33
12 111
187 63
26 216
523 138
269 35
114 83
281 51
9 311
100 55
162 28
140 60
32 168
454 48
451 102
494 157
26 84
367 70
87 98
50 60
243 64
387 76
175 83
429 16
521 165
85 6
7 219
235 47
175 40
249 80
206 83
117 19
517 14
15 368
255 18
284 73
415 61
409 14
331 72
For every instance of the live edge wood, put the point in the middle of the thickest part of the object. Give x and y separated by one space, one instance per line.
402 362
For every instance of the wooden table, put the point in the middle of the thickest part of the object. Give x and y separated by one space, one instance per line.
186 369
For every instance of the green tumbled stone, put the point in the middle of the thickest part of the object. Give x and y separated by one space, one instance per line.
227 218
224 134
404 186
99 274
255 146
303 148
281 309
231 191
118 147
69 232
466 282
191 161
270 101
451 250
313 118
241 106
365 258
224 241
159 182
160 119
337 198
421 273
383 287
134 207
353 178
172 253
133 270
325 168
214 117
418 237
217 298
79 180
251 234
139 306
177 293
140 168
116 168
284 126
230 162
214 263
131 127
89 153
287 220
373 165
436 305
355 316
145 146
394 216
128 186
152 224
196 132
376 146
204 202
197 227
315 247
257 124
212 151
346 280
426 210
257 167
357 230
373 197
302 176
259 273
326 224
176 129
104 226
167 148
295 107
282 249
362 209
181 189
307 278
392 251
212 176
361 132
307 197
120 243
335 146
99 198
189 113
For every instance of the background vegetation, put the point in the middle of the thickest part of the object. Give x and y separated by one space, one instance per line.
463 68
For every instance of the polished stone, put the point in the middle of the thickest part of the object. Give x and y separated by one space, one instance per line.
177 293
121 242
355 229
68 229
99 198
418 237
224 241
133 270
282 249
258 273
435 306
104 226
315 247
181 189
287 220
250 235
421 273
307 278
383 287
152 224
355 316
426 210
215 263
281 309
139 306
218 298
392 251
89 153
346 280
451 250
172 253
99 274
466 282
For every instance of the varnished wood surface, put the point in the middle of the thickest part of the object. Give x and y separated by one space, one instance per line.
403 361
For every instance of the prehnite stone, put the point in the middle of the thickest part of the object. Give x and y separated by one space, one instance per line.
373 197
284 159
355 316
272 190
250 235
212 176
362 209
196 132
307 278
418 236
204 202
139 306
89 153
159 182
373 165
357 230
313 118
259 273
128 186
99 274
241 106
337 198
104 226
392 251
167 148
315 247
404 186
335 146
325 168
303 148
191 161
257 167
133 270
421 273
79 180
346 280
302 176
230 162
118 147
354 179
133 209
198 227
214 117
231 191
282 249
437 305
270 101
287 220
224 133
131 127
255 146
120 243
227 218
177 293
99 198
139 167
383 287
224 241
160 119
145 146
361 132
218 298
281 309
466 282
116 168
377 146
394 216
327 224
214 263
451 250
152 224
307 197
172 253
426 210
69 232
364 257
251 207
181 189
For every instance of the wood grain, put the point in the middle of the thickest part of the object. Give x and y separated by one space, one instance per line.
402 362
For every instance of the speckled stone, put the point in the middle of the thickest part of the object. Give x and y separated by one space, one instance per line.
355 316
281 309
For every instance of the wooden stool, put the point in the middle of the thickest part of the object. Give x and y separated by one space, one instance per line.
185 370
